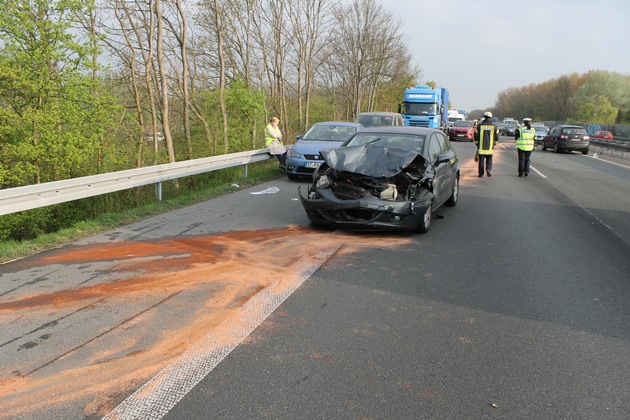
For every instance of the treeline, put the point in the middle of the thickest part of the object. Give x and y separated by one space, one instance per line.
595 97
97 86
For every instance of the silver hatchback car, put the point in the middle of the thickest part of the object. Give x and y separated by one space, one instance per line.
380 119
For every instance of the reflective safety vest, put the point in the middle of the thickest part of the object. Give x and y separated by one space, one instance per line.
271 134
525 139
486 139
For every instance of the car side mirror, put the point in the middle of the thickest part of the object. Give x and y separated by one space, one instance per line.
443 159
298 137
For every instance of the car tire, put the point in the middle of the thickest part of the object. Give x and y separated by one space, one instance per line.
425 223
585 152
452 200
556 149
292 177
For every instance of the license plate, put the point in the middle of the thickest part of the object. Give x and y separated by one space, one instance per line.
313 164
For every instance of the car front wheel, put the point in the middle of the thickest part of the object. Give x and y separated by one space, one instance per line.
425 223
452 200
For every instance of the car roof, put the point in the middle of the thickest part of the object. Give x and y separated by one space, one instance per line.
380 114
343 123
418 131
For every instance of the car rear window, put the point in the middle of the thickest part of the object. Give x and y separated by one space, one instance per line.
573 130
375 120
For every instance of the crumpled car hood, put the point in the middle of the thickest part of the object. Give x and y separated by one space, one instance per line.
370 160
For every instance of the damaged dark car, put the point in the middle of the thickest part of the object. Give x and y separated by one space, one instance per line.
391 178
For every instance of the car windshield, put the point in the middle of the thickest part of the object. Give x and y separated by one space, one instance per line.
375 120
329 133
409 142
463 124
414 108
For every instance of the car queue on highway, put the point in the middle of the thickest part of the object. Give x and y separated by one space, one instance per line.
377 173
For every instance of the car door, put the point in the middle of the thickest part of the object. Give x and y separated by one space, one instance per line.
548 140
445 172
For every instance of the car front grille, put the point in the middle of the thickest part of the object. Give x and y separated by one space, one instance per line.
313 157
352 215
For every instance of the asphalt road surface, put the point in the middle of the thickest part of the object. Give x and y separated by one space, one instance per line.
515 305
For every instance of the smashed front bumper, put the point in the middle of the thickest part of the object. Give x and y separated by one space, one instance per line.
323 207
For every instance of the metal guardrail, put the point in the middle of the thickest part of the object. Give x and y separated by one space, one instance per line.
29 197
618 148
615 143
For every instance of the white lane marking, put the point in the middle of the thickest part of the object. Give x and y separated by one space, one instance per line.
600 221
155 398
537 171
530 166
595 156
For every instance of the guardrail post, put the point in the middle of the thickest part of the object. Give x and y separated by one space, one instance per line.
158 191
245 170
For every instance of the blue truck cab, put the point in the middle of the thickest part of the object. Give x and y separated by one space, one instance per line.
425 106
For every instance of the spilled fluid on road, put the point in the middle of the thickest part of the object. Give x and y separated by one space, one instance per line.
144 305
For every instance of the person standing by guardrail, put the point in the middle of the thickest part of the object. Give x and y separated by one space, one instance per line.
524 136
273 141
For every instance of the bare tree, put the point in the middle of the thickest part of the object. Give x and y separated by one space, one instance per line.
163 81
309 20
219 24
130 57
239 19
369 47
178 27
273 43
353 54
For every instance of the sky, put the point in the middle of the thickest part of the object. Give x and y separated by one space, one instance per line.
478 48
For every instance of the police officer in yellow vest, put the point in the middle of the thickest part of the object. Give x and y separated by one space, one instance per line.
524 135
486 136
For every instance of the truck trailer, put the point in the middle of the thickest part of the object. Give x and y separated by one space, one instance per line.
455 115
425 106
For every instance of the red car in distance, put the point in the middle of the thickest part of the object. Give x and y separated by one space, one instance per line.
462 129
606 135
